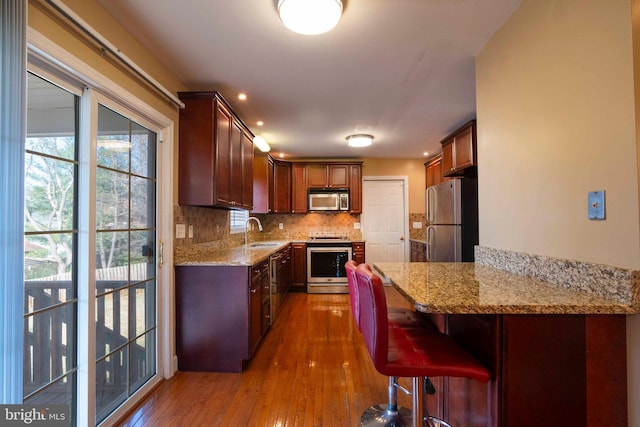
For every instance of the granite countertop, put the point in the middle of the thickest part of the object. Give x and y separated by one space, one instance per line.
211 254
475 288
247 255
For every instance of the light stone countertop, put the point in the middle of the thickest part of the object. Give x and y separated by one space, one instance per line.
474 288
210 254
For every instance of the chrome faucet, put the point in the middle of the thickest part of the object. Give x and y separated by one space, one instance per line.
246 226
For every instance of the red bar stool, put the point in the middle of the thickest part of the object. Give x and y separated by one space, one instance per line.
397 316
406 352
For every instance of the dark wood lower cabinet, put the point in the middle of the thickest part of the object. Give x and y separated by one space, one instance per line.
221 315
564 370
418 251
299 267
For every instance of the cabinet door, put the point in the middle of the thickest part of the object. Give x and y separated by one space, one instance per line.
433 172
285 272
355 188
318 175
463 146
358 252
255 309
282 187
299 264
196 152
447 158
247 170
298 188
222 184
261 184
339 176
236 165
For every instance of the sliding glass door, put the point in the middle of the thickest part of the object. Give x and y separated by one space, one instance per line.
122 344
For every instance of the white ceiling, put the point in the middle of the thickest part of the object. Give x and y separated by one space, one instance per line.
402 70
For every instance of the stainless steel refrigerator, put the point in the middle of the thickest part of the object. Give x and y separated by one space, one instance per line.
452 217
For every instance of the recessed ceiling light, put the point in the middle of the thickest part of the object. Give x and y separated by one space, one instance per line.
242 96
310 17
260 123
281 155
359 140
425 153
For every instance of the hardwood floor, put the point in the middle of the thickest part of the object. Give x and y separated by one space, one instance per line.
312 369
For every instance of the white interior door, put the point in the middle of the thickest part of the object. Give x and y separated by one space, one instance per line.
384 219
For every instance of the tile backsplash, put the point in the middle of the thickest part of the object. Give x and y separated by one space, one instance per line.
418 233
212 225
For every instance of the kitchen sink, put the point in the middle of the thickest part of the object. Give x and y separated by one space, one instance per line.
258 245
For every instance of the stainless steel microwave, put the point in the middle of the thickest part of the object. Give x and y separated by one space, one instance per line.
329 200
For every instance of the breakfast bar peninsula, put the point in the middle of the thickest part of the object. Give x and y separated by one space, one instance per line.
557 352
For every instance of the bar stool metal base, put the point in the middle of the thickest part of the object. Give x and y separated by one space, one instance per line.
380 415
437 422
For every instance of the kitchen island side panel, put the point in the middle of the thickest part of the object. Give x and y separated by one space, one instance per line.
210 302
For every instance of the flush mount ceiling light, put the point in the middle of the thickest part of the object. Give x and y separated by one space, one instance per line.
359 140
310 17
261 143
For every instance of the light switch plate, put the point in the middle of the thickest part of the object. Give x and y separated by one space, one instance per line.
191 231
417 224
596 208
356 225
181 231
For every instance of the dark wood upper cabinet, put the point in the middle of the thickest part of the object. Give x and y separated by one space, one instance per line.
355 188
298 188
247 170
327 175
262 184
459 150
281 187
338 176
215 154
433 171
317 176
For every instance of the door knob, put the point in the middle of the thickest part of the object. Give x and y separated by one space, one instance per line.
401 237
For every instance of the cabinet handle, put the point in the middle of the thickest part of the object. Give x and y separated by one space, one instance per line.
253 291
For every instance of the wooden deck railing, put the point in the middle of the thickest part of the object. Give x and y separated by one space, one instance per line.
49 348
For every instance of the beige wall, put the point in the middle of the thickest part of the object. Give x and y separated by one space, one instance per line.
556 119
413 168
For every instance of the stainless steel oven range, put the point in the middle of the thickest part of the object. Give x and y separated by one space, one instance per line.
325 265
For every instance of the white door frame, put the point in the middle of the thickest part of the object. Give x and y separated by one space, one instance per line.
405 197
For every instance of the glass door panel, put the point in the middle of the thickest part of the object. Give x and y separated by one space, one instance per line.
125 259
50 243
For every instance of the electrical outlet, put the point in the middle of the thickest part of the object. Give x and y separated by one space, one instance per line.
417 224
281 226
181 231
356 225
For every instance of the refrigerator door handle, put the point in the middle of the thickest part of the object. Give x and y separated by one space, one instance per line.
430 233
430 193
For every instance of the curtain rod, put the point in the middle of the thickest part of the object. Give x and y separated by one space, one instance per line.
110 47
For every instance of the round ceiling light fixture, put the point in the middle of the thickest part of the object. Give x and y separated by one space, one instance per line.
360 140
310 17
